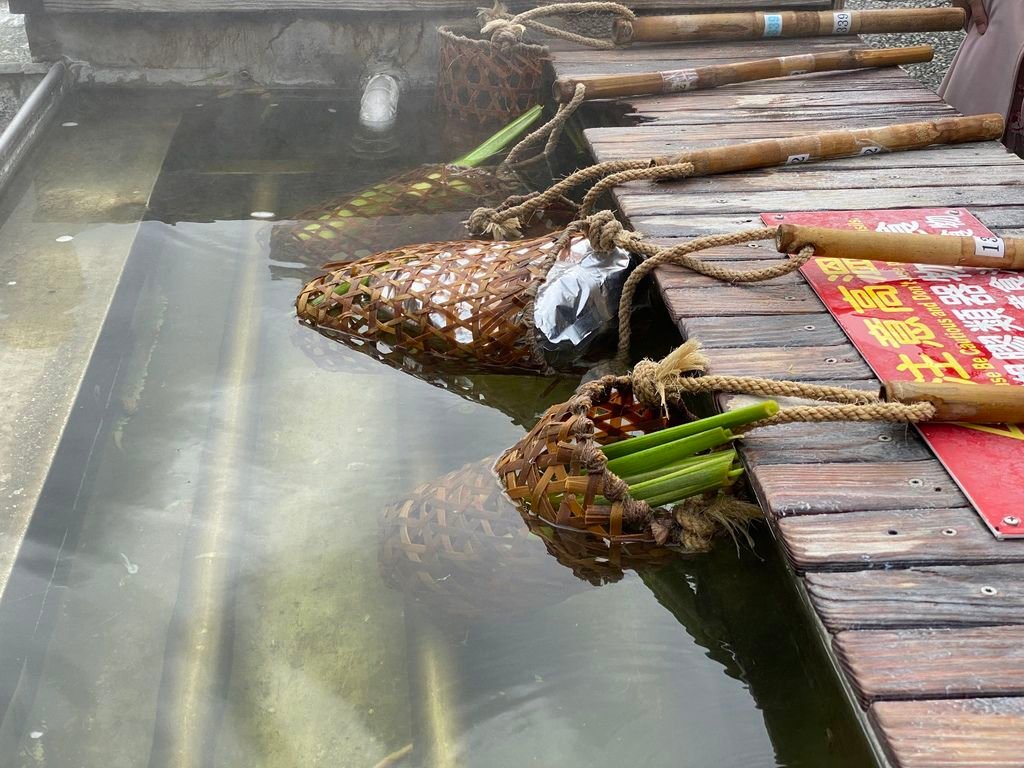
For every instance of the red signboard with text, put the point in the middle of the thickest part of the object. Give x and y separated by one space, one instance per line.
930 323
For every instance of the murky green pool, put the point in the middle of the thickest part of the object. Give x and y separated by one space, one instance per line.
200 584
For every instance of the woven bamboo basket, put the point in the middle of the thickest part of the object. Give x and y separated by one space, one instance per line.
359 225
460 545
468 302
484 84
557 473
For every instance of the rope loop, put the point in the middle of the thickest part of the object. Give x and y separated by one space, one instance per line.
550 133
507 31
680 255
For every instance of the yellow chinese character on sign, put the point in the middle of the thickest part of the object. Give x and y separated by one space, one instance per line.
884 298
846 269
939 370
901 333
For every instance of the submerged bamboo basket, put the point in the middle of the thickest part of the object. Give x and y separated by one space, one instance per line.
362 224
469 302
557 473
460 545
482 83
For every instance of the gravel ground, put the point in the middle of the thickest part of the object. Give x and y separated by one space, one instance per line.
945 43
13 43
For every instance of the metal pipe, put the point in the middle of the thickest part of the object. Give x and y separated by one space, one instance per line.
35 114
378 107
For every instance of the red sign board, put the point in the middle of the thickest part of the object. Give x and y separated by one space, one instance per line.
929 323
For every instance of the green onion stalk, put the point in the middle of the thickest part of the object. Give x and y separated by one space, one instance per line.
670 465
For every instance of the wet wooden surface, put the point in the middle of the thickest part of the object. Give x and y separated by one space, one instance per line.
922 604
953 733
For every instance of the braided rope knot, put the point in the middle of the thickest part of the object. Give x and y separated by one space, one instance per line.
504 33
490 222
605 232
659 382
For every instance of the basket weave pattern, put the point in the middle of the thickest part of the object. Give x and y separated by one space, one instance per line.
460 545
484 84
556 472
468 301
356 225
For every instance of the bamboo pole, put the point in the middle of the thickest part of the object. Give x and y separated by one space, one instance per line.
987 252
699 78
752 25
972 403
794 150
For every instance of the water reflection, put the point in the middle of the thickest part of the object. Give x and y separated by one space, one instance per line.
460 546
515 646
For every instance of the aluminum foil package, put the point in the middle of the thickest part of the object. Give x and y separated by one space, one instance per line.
578 303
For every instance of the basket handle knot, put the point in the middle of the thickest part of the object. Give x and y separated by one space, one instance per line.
603 230
658 382
491 222
507 30
505 33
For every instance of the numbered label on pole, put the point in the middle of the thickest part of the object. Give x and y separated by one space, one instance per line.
842 23
797 159
874 149
989 246
772 25
679 80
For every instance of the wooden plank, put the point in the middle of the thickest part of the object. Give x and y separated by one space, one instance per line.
839 362
933 663
763 331
750 253
755 298
938 596
808 489
814 178
666 230
832 443
961 733
888 537
674 276
679 206
1003 218
819 443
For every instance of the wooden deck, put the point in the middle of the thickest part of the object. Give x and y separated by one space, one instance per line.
923 608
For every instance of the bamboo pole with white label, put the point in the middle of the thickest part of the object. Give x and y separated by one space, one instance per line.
952 251
712 76
972 403
753 25
795 150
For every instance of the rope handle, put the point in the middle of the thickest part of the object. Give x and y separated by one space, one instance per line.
506 30
666 381
504 221
551 131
